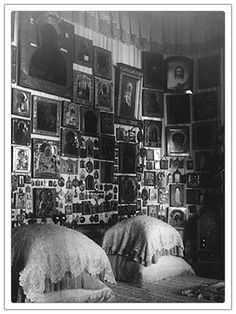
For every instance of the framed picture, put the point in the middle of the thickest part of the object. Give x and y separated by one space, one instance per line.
163 195
149 178
176 195
44 201
21 161
152 133
106 123
103 94
71 115
120 134
102 65
46 116
208 72
45 53
70 142
177 217
89 148
178 74
152 66
178 109
21 103
152 210
46 160
127 94
127 190
20 131
69 166
205 106
107 147
127 158
107 172
150 154
14 53
204 135
89 121
192 196
205 160
83 51
152 105
83 88
193 180
177 141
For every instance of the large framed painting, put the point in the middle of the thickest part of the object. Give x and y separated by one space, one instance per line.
46 116
107 123
46 53
83 51
21 102
103 94
178 109
102 65
44 201
46 159
178 74
90 122
204 134
70 142
152 66
208 72
127 94
177 141
127 189
176 195
83 88
20 131
152 104
152 133
71 115
205 106
127 158
21 159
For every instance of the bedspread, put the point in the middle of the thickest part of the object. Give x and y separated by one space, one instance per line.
144 239
49 251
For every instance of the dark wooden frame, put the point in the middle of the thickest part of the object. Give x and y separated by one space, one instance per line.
98 54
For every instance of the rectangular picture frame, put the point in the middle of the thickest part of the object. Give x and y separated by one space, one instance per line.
177 141
83 51
21 102
152 133
208 72
127 158
21 159
21 129
44 201
152 103
205 106
71 115
149 178
178 109
152 66
127 189
83 90
70 142
177 195
103 94
102 63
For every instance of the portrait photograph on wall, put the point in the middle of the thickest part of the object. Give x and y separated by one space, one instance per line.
152 133
152 66
205 106
178 74
178 109
127 190
20 131
152 104
70 142
21 159
103 94
177 141
45 54
44 202
83 51
21 102
83 88
102 63
71 115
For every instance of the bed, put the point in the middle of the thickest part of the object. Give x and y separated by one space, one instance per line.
52 264
143 250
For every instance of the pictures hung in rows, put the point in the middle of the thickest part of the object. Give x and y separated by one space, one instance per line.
46 54
176 195
152 104
70 142
83 51
152 66
83 88
20 131
46 159
46 116
178 109
21 159
178 74
127 190
177 141
127 94
71 115
107 123
21 103
152 133
205 106
127 158
44 202
103 94
208 72
102 66
89 121
204 134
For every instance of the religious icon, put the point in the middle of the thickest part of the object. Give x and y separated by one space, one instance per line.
21 131
71 114
21 159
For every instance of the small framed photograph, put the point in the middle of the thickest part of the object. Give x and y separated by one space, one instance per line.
44 201
177 217
20 131
152 133
83 51
83 88
102 63
152 105
70 142
163 195
107 147
204 135
127 190
178 74
69 166
193 180
149 165
103 94
107 172
127 158
176 195
149 178
106 123
21 103
71 115
152 66
192 196
177 141
21 159
152 210
90 148
89 121
208 72
205 106
46 158
46 116
178 109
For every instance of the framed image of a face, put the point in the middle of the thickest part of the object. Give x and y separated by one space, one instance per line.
71 115
21 159
193 180
204 135
208 72
152 66
176 195
127 190
44 201
178 109
152 105
127 158
127 94
149 178
46 160
103 94
177 141
107 123
163 195
83 51
83 88
177 217
89 121
46 53
106 172
152 133
46 116
178 74
205 106
21 103
70 142
102 63
20 131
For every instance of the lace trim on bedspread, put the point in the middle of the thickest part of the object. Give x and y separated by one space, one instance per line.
50 252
